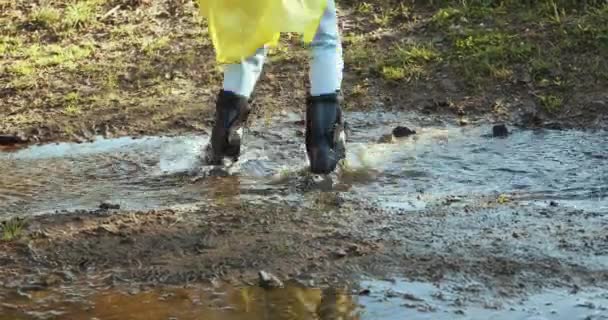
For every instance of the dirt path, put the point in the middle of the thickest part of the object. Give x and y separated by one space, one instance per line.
498 246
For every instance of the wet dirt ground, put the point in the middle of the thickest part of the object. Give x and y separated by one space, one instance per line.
448 223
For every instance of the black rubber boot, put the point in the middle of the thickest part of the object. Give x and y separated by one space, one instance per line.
325 135
231 113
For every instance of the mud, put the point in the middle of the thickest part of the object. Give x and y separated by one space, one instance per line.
489 221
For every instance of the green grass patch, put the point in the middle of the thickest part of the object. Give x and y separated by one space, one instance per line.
72 104
12 229
46 16
9 45
482 54
29 59
587 32
445 17
80 14
551 103
153 45
408 62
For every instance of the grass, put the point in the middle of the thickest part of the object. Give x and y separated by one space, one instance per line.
9 45
408 62
482 54
551 103
154 45
46 16
31 58
80 14
12 229
61 56
72 104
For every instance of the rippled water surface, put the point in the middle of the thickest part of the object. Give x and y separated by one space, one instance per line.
569 167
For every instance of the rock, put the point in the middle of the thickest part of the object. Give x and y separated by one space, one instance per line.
401 132
553 203
269 281
554 126
499 131
365 292
6 140
112 229
340 253
391 294
412 297
109 206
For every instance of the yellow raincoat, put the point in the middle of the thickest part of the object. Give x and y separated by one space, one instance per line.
239 27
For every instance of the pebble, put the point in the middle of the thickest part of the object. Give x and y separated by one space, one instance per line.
401 132
340 253
365 292
109 206
500 130
268 280
11 139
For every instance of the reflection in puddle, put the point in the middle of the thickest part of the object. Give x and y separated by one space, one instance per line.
224 303
378 300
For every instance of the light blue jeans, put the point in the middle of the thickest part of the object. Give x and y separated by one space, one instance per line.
325 74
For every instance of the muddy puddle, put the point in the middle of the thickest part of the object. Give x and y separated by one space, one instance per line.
394 299
440 163
500 228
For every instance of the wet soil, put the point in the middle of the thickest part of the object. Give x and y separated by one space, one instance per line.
488 219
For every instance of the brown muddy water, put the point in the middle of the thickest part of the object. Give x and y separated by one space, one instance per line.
568 167
389 300
548 214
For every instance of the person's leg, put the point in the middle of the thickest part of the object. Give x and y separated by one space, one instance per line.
241 78
232 107
325 139
327 61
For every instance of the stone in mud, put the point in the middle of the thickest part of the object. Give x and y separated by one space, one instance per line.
398 132
412 297
365 292
340 253
6 140
269 281
401 132
109 206
463 122
499 131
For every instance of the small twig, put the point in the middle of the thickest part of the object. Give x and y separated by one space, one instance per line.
111 12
